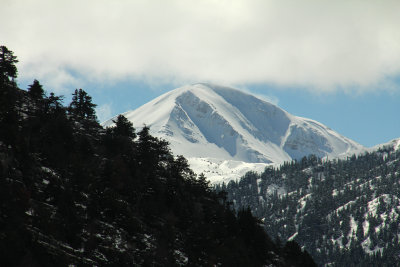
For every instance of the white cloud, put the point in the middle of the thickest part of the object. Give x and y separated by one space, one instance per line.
104 112
320 45
268 98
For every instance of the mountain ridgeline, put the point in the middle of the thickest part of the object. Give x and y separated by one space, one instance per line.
215 127
344 212
205 120
74 193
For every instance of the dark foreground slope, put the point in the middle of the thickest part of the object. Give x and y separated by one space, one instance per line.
74 193
344 212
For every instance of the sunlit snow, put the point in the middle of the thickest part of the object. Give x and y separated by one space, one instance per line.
224 132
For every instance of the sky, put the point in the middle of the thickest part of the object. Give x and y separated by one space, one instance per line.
337 62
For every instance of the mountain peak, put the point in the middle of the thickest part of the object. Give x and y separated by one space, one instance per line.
207 120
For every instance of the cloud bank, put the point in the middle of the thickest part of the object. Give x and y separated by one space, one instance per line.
318 45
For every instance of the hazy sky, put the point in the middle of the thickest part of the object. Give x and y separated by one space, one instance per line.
334 61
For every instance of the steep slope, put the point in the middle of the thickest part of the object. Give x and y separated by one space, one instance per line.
209 121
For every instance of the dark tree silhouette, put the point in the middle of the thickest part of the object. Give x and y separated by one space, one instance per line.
73 193
123 127
81 105
9 96
8 70
35 90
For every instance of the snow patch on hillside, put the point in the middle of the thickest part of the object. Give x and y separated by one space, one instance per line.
219 171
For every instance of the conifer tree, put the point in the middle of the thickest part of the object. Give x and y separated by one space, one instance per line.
54 102
123 127
82 106
8 95
8 70
35 90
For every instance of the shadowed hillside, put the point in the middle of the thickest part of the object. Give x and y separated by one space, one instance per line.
72 192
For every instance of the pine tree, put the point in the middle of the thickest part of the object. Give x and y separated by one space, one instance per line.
203 182
82 106
360 231
53 103
150 148
35 90
8 70
9 96
89 107
123 127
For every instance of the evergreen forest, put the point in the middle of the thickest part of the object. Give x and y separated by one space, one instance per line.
344 212
75 194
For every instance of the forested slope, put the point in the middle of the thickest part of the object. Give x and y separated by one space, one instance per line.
344 212
74 193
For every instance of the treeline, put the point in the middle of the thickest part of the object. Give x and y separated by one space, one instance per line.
344 212
74 193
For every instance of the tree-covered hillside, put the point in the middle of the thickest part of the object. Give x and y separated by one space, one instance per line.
344 212
73 193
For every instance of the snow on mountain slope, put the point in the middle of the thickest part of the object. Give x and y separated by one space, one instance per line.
225 124
395 143
219 170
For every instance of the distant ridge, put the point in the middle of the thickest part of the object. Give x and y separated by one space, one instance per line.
395 143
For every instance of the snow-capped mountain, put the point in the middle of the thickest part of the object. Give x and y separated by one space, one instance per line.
203 121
